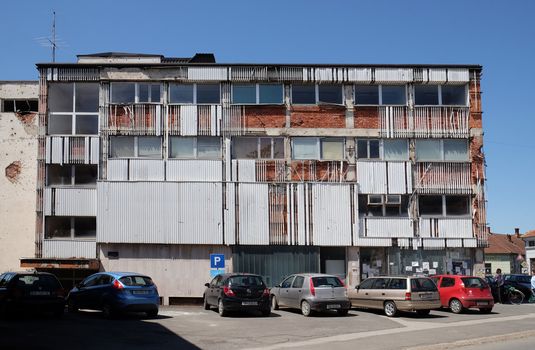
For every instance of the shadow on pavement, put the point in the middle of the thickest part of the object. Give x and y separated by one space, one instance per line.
88 330
317 314
404 314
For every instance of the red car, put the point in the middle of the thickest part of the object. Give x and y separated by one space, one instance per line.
464 292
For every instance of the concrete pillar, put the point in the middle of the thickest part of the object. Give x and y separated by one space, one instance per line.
479 263
165 300
353 266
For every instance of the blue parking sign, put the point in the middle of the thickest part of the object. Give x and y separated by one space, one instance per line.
217 261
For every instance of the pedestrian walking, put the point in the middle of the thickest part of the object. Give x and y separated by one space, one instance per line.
499 283
533 283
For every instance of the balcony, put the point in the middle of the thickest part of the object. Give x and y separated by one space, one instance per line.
446 228
424 121
443 178
133 119
193 120
68 201
385 227
72 149
66 249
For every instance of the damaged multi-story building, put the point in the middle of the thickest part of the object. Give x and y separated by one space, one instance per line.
152 164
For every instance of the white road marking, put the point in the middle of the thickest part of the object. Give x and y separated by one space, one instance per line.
409 326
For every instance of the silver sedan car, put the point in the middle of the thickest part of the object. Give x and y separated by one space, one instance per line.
311 292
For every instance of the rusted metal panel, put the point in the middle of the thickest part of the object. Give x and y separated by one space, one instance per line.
382 227
371 177
194 170
331 214
399 177
66 249
253 214
75 201
117 169
208 73
147 170
159 212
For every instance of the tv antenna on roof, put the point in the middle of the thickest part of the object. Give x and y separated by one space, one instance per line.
52 41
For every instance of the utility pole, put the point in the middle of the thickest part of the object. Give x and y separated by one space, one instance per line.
53 41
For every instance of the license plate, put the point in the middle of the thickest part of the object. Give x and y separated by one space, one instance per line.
249 303
482 303
426 296
333 306
137 292
40 293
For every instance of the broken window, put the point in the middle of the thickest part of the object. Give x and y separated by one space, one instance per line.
383 205
208 94
85 174
454 95
68 175
444 205
366 94
202 147
303 94
426 95
181 93
270 93
19 106
330 94
67 227
441 150
73 108
59 175
258 148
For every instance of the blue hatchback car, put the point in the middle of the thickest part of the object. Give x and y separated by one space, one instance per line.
114 292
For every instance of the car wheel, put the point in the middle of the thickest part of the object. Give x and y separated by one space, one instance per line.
456 306
107 311
487 310
390 308
72 306
152 313
205 303
305 308
423 312
342 312
221 309
274 303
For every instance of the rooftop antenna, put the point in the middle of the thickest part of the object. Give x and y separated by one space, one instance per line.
53 42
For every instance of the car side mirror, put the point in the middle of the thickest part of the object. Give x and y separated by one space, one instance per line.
357 287
207 284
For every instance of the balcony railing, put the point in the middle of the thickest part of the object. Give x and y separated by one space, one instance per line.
443 178
386 227
445 228
194 120
133 119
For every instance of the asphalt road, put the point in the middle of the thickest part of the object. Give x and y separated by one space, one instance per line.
191 327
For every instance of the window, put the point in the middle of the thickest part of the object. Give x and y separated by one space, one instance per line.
473 282
317 148
329 281
194 94
298 282
68 175
423 285
447 282
135 146
380 283
128 93
19 106
330 94
392 205
445 95
195 147
257 93
398 283
73 108
208 93
444 205
287 282
67 227
531 243
366 284
258 148
441 150
181 93
303 94
395 150
380 95
368 149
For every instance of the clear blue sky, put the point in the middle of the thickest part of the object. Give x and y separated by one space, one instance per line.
500 35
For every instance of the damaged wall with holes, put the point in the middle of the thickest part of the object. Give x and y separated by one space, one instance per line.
336 160
18 161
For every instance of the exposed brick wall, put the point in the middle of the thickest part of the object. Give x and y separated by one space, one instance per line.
366 117
318 117
265 116
310 170
475 105
478 158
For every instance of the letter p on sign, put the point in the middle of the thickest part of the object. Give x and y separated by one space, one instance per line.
217 261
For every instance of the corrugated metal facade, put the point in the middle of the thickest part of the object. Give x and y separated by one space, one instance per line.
194 170
331 214
75 201
188 120
117 169
244 170
399 177
207 73
159 212
386 227
253 214
65 249
72 149
446 228
147 170
371 177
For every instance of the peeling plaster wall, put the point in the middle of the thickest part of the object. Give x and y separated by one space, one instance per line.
18 165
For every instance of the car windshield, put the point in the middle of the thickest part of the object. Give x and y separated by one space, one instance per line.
29 282
423 285
253 281
329 281
473 282
136 281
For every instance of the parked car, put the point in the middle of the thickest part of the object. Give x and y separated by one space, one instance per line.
115 292
237 292
520 282
31 291
464 292
493 286
396 293
311 292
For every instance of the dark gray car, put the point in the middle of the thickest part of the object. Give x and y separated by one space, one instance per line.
311 292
